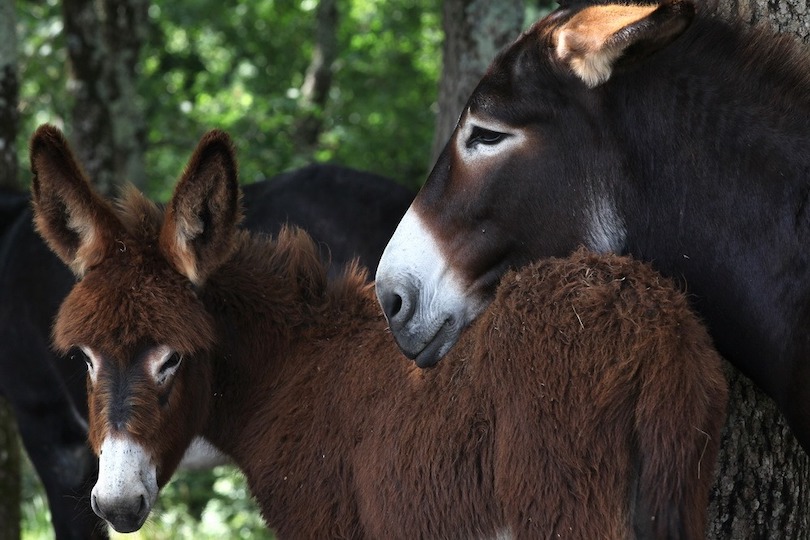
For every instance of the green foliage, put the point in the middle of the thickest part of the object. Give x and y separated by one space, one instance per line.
195 505
43 96
240 65
203 505
241 68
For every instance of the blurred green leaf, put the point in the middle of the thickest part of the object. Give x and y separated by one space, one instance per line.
239 66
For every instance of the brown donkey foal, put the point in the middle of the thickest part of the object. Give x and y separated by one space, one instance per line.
585 403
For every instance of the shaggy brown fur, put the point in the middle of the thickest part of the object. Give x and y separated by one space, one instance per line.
585 403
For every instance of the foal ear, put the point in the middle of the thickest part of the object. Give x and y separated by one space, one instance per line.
78 225
201 218
593 40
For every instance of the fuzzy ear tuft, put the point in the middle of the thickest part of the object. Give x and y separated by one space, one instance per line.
593 40
78 225
201 219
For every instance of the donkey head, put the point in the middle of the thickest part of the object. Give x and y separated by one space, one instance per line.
524 174
134 315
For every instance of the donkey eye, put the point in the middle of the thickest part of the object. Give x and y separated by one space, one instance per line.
170 364
484 136
162 364
84 354
76 354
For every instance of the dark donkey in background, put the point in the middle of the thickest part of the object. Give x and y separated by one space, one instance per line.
678 138
348 212
542 423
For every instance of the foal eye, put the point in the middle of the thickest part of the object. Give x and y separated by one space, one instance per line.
485 136
76 354
170 364
163 363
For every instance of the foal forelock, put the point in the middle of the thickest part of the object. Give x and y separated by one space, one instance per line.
130 300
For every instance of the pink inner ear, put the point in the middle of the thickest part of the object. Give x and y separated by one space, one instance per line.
176 247
588 41
75 222
201 219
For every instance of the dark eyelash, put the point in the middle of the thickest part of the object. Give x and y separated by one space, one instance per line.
488 137
172 361
77 354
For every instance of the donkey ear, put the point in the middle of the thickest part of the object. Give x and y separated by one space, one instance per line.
593 40
78 225
201 219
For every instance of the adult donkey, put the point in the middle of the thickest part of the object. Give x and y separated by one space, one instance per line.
646 130
350 213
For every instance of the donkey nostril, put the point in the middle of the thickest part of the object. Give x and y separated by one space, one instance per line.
142 506
391 305
396 305
96 508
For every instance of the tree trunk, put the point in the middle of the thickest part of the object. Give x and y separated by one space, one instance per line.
125 30
9 90
786 16
103 42
474 31
318 79
9 445
763 475
9 475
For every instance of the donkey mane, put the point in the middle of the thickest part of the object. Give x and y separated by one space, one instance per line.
287 273
291 257
713 35
763 62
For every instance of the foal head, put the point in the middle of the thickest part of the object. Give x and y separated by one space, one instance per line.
134 315
524 175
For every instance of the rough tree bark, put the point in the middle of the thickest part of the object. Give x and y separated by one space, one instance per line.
762 486
762 476
9 445
107 129
318 78
474 31
785 16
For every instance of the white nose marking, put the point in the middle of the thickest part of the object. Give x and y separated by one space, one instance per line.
125 474
436 304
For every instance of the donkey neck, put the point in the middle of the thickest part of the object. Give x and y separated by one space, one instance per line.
724 103
715 137
266 299
289 337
